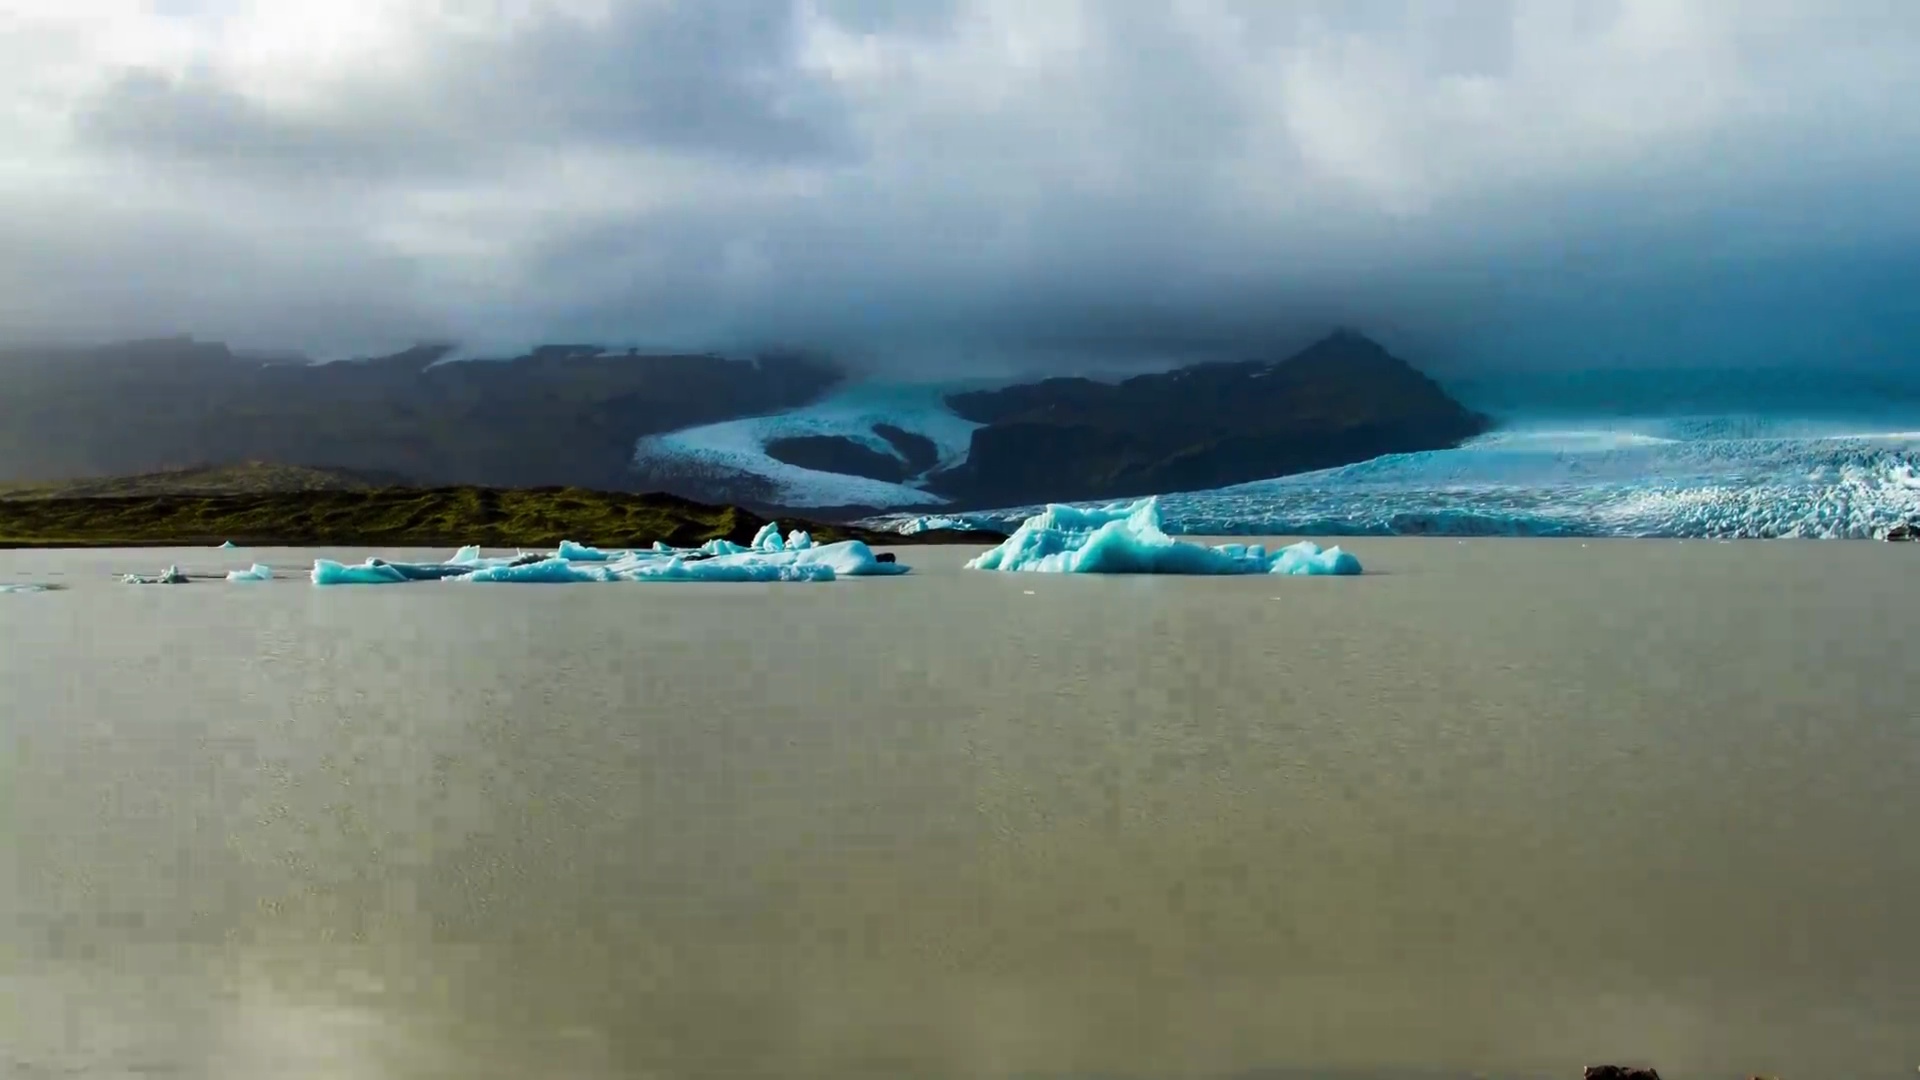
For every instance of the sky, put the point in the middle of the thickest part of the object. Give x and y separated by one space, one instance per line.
939 184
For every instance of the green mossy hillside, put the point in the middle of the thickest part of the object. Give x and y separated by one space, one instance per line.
401 517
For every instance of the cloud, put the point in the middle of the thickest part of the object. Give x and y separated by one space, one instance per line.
1505 182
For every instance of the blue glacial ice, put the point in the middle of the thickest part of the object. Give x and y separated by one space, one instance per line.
772 557
376 571
733 568
228 546
258 572
1687 477
1129 540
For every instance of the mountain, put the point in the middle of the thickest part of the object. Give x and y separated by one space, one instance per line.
245 478
559 415
1341 400
779 432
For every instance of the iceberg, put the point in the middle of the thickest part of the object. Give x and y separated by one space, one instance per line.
773 558
573 552
381 572
258 572
669 568
1129 540
170 576
228 546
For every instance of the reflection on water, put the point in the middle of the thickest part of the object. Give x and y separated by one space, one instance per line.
1504 809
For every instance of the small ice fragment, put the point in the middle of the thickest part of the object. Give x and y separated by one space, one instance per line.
466 556
258 572
170 576
768 538
798 541
228 546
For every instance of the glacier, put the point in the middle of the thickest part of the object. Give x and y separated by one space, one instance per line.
738 447
1130 540
770 557
1708 477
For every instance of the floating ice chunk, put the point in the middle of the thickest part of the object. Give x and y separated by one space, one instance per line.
797 558
553 571
661 547
808 563
382 572
1129 540
1308 558
170 576
729 568
258 572
573 552
27 587
848 558
768 538
228 546
328 572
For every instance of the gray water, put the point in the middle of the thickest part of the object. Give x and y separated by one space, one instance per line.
1504 807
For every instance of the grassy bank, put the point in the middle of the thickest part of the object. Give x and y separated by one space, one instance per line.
401 517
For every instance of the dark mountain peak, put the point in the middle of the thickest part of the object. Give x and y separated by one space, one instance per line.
1345 346
1344 398
417 357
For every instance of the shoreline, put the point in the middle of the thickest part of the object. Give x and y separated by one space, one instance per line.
450 517
248 544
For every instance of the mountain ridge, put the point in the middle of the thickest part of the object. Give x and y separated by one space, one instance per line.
1342 399
576 415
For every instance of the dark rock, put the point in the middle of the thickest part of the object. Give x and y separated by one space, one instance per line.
1905 531
921 452
885 557
1618 1072
838 454
528 558
1342 400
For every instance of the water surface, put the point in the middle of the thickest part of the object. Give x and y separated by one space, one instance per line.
1500 806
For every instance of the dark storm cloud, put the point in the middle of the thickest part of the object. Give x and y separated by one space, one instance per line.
716 78
1556 181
